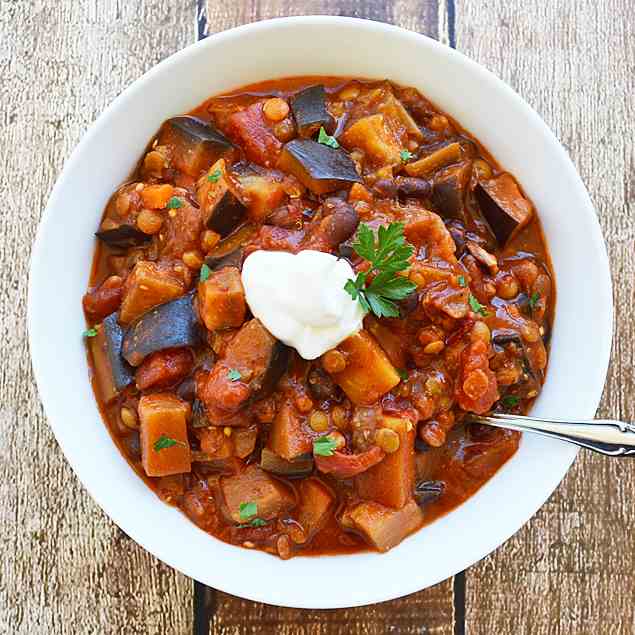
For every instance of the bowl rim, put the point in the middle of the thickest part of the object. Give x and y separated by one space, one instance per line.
409 584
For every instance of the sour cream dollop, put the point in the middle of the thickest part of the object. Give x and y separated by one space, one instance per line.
300 298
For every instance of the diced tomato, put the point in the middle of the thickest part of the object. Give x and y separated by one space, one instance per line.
348 465
164 368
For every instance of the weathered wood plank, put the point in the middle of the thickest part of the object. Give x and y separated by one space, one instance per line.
430 611
65 568
571 569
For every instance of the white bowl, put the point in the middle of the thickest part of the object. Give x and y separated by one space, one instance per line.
485 106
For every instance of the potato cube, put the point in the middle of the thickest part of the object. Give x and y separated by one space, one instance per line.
221 299
164 445
391 482
147 286
368 374
376 138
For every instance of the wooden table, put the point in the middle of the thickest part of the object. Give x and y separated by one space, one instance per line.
65 568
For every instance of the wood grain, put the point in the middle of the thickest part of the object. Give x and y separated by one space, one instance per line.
571 569
65 568
430 611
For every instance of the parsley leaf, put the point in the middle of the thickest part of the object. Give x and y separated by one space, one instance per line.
233 374
406 155
533 301
164 442
327 140
509 401
205 271
214 176
324 446
403 373
462 282
388 254
174 203
247 511
476 306
258 522
90 332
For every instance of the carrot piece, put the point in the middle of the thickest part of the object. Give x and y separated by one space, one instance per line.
156 196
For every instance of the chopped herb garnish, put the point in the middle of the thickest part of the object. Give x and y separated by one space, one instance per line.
233 374
462 282
327 140
324 446
388 254
247 511
403 373
205 271
258 522
90 332
164 442
476 306
509 401
533 301
214 176
174 203
406 155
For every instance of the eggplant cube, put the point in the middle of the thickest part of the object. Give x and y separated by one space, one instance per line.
165 448
318 167
382 527
223 211
368 374
316 502
194 143
112 371
170 325
289 437
254 485
221 300
147 286
505 209
449 189
309 110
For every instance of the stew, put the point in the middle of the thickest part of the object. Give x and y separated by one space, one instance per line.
451 295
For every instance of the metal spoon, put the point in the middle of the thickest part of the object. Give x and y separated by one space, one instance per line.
613 438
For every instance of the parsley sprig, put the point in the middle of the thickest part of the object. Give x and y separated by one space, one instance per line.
247 512
324 446
388 254
164 442
327 140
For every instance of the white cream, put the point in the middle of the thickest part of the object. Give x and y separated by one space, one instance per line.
300 298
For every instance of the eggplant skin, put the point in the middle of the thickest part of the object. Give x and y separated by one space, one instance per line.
124 236
299 467
278 364
169 325
309 110
323 163
122 373
232 259
227 215
198 130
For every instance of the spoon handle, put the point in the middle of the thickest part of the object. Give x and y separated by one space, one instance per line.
613 438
